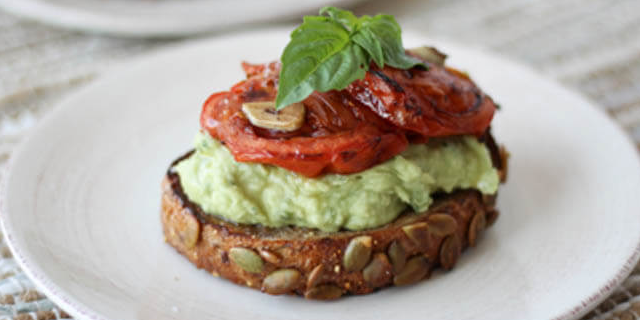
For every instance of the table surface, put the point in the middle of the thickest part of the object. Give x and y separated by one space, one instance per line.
591 46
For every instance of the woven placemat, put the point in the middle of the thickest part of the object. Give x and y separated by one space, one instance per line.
590 46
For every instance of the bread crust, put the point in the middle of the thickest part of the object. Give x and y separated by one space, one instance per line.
327 265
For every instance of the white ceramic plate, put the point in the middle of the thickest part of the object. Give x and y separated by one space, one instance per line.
81 209
161 18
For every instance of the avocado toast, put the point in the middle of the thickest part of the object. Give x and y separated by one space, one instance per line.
350 165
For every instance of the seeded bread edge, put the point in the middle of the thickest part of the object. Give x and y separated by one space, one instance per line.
327 265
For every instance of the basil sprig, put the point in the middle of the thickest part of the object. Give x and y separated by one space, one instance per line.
329 51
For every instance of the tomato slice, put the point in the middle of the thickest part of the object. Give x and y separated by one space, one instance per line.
351 130
431 103
339 135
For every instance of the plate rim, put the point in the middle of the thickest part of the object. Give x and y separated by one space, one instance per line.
93 21
69 304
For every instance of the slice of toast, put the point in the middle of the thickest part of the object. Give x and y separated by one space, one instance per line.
327 265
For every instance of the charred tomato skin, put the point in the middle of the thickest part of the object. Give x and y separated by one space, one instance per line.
436 102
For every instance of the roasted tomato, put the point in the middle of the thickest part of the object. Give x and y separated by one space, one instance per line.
351 130
339 135
431 103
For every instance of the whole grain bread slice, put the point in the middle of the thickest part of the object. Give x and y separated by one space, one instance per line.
327 265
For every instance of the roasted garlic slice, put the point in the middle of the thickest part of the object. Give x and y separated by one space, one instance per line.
264 115
429 54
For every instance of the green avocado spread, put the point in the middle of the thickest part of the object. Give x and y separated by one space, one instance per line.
252 193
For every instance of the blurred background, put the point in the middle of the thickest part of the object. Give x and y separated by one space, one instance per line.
51 48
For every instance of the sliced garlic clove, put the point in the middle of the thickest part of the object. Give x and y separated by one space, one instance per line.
429 54
264 115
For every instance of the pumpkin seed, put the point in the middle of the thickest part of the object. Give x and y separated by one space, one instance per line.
246 259
477 225
315 276
281 281
415 269
398 256
284 252
378 272
429 54
419 234
442 224
324 292
358 253
187 228
450 251
269 256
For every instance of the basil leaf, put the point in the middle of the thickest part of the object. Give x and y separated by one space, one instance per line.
319 57
366 39
346 18
330 51
388 33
